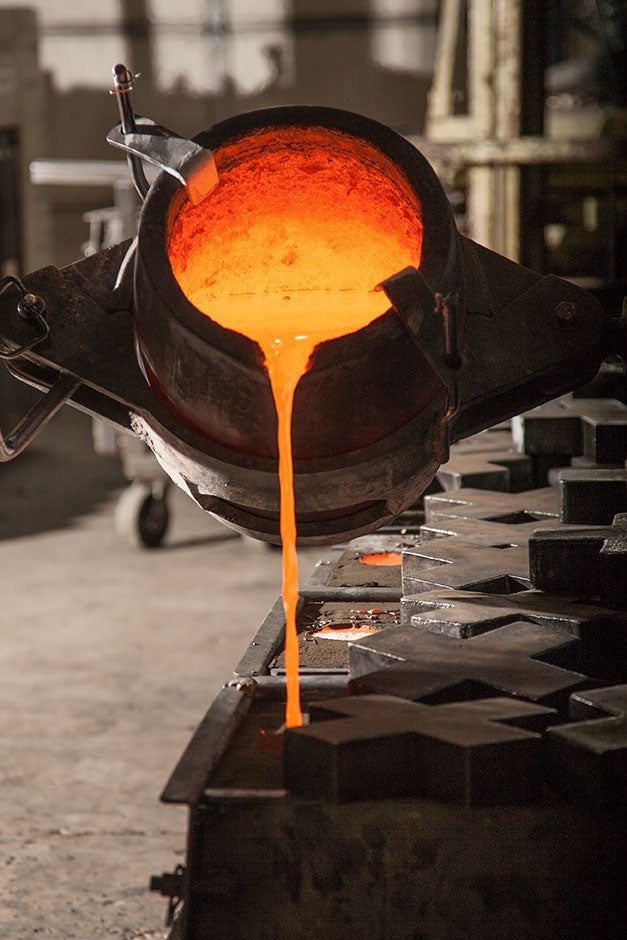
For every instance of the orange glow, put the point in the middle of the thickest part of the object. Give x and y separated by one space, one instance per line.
289 249
389 559
346 632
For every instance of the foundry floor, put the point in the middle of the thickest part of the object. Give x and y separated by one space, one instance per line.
109 658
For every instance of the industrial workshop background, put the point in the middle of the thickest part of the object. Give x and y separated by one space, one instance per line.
110 655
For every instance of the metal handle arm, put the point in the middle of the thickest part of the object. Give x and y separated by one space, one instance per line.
142 139
31 309
123 84
42 411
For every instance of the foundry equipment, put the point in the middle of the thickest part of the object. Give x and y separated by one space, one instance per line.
469 339
463 768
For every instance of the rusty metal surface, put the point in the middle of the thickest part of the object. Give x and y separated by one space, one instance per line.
332 613
325 627
243 490
347 570
371 598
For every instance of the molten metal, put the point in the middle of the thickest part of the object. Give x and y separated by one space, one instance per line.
289 250
303 225
387 559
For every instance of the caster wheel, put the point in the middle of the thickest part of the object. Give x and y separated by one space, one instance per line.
141 517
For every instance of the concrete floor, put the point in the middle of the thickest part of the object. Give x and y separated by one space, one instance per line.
109 658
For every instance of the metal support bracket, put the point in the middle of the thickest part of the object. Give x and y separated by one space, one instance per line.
188 162
31 309
432 321
191 164
170 885
35 420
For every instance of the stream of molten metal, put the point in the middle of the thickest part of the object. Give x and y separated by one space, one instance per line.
288 250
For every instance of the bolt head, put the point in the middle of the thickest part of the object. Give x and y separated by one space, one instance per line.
30 305
565 313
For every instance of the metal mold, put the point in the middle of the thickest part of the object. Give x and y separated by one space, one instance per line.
376 746
344 569
396 868
589 562
317 610
464 614
486 461
589 756
511 509
261 853
422 666
592 496
595 428
453 564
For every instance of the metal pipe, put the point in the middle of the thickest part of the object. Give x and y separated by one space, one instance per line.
123 81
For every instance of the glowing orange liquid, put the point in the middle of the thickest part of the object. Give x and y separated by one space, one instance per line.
288 249
388 559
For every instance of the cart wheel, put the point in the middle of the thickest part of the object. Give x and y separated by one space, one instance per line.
141 516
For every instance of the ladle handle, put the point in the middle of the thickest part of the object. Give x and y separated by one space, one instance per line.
192 165
122 86
27 429
31 309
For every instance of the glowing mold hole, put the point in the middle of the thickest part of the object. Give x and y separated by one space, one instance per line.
288 250
345 632
385 559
